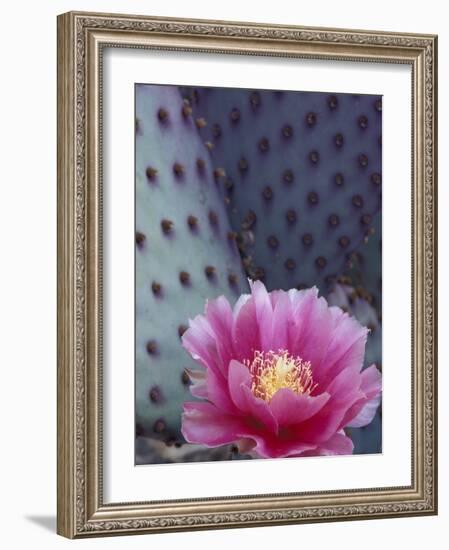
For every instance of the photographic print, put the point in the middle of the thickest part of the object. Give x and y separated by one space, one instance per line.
258 274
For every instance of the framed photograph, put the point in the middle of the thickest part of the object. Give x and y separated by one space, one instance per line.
246 274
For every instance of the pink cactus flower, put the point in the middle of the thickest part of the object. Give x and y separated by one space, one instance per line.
281 375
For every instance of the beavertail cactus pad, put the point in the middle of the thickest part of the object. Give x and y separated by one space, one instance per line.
302 175
184 254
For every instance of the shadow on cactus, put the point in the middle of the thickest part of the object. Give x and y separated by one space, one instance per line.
258 274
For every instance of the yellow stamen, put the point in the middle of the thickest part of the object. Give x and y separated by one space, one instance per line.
272 371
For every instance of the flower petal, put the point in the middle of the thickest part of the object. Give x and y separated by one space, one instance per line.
338 444
219 316
204 424
371 386
274 296
290 408
199 341
313 341
264 314
245 332
282 319
239 379
365 415
241 301
346 349
218 393
371 381
198 387
310 326
276 447
302 303
344 391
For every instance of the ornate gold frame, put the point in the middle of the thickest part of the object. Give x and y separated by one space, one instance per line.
81 37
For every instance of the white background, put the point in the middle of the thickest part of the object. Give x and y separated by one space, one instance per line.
125 483
28 274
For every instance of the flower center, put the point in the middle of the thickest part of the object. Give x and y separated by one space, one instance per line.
272 371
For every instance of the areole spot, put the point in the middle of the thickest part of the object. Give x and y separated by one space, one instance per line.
332 102
167 226
213 218
200 123
272 241
344 241
264 145
186 109
258 274
290 264
182 329
234 115
321 262
311 119
178 169
219 173
288 176
267 193
151 173
229 185
216 131
249 220
287 131
139 430
365 219
162 115
159 426
155 394
140 239
339 140
209 271
243 165
184 278
195 96
232 279
339 179
363 122
357 201
307 239
185 378
192 222
291 216
363 160
333 220
314 157
376 179
156 288
313 198
200 165
255 100
151 347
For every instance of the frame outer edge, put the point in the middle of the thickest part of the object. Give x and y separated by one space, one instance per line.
435 269
65 280
76 228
